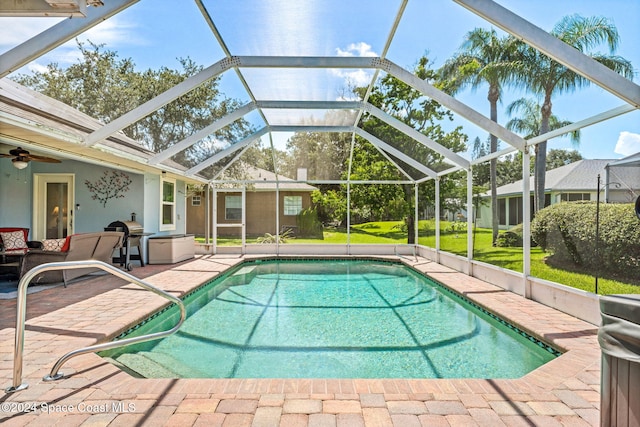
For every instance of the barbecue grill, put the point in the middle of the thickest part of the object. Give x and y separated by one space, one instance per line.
133 233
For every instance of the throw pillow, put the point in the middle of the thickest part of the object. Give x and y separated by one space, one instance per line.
13 240
54 245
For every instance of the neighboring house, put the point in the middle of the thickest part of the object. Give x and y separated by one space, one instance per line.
88 186
572 182
260 202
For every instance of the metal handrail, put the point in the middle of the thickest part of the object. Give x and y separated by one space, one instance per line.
21 317
399 255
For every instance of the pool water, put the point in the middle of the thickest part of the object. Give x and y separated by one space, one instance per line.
331 319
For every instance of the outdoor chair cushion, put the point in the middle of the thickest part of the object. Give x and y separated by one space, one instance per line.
97 246
54 245
14 240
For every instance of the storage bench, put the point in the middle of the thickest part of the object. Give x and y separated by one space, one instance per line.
171 249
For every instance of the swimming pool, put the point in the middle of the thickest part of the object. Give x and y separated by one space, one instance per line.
331 319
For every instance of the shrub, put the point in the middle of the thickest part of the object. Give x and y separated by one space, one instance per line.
569 231
269 238
509 239
309 226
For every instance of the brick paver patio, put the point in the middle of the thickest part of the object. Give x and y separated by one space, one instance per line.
564 392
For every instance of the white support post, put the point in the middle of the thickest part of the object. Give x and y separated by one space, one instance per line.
470 220
437 219
207 214
348 217
215 219
526 223
415 215
244 219
278 217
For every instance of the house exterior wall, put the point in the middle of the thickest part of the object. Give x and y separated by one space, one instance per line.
143 197
260 213
483 220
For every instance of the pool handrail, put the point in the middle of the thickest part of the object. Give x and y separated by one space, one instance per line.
21 305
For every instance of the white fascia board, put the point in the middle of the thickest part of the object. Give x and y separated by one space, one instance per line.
55 36
32 126
157 102
44 8
203 133
553 47
229 150
419 137
386 147
453 104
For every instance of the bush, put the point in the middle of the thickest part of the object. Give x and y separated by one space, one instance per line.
309 226
569 231
509 239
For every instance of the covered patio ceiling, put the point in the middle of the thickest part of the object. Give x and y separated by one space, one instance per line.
286 88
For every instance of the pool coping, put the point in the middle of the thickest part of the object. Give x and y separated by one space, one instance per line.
563 390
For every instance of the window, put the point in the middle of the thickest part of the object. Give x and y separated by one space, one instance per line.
502 211
167 204
292 205
195 200
233 207
515 210
573 197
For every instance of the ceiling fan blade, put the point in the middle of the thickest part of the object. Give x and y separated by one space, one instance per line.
6 155
42 159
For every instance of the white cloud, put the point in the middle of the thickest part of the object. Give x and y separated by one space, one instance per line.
628 143
14 31
356 49
359 77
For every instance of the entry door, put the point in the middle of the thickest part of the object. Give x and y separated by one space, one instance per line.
53 206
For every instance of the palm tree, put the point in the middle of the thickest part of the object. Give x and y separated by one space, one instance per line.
484 57
545 77
528 124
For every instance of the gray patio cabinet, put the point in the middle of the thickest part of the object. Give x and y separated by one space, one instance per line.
619 338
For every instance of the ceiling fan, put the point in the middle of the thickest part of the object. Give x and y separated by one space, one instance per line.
21 158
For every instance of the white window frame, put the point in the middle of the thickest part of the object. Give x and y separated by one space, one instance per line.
196 200
290 205
167 203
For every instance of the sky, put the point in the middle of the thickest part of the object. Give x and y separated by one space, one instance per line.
155 33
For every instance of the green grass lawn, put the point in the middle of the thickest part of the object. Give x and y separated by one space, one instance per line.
450 241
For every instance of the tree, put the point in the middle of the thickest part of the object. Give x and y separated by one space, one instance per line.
484 58
105 87
545 77
423 114
557 158
323 154
529 124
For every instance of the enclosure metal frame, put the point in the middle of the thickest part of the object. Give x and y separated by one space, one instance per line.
492 12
